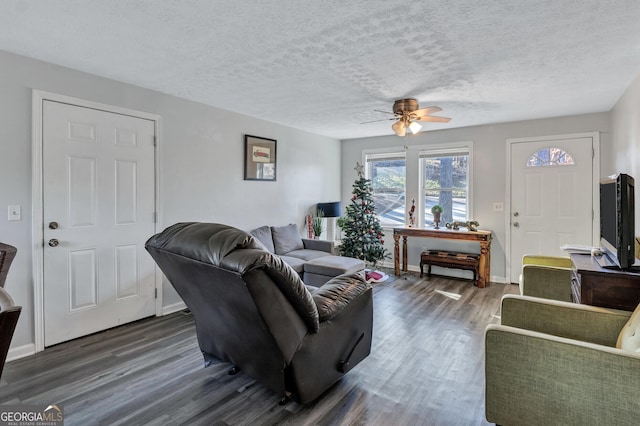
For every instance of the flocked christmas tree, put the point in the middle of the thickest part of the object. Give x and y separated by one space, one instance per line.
362 233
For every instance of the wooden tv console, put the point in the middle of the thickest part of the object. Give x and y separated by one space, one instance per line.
594 285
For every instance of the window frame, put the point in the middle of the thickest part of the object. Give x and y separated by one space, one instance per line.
414 174
464 148
385 153
568 157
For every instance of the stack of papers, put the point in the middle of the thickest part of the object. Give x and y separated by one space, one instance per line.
576 248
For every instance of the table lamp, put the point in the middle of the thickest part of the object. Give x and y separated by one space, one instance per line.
331 211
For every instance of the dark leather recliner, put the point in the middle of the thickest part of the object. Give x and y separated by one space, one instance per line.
7 254
9 312
251 309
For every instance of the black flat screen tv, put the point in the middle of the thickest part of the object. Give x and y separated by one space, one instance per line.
617 220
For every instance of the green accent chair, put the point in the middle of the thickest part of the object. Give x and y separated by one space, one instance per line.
548 277
559 363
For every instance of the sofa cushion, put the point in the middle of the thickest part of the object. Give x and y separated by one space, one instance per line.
263 234
296 263
629 337
319 245
286 238
333 266
307 254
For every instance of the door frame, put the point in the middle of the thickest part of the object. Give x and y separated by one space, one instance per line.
37 222
595 188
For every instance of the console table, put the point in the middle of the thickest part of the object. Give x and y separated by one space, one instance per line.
594 285
483 237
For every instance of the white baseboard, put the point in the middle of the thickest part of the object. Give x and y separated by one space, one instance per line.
180 306
451 273
21 352
388 264
410 268
499 280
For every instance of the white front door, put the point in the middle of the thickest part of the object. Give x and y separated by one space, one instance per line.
98 210
551 197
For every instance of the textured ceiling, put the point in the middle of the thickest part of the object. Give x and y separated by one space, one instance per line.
325 66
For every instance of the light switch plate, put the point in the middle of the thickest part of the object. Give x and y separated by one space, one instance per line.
498 207
14 213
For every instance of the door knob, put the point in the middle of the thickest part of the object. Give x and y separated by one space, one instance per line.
53 242
53 225
516 225
516 214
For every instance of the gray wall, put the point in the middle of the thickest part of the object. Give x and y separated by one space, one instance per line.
489 170
201 168
625 138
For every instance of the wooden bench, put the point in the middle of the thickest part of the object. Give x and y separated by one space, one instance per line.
450 259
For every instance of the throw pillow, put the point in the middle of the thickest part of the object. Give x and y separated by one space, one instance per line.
629 337
263 234
286 238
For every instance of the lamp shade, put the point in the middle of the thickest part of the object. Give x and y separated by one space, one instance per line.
398 128
331 209
414 127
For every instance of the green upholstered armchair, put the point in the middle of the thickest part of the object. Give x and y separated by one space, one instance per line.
556 363
546 276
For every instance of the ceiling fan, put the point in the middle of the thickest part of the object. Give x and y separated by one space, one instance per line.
407 114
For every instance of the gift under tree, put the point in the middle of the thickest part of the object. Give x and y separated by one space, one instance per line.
362 233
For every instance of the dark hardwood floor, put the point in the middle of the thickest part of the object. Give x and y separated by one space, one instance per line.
426 368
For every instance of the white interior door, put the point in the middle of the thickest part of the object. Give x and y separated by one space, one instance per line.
98 210
551 197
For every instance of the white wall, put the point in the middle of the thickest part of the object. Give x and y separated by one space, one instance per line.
625 140
489 170
201 164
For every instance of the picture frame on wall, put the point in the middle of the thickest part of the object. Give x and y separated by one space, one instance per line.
260 160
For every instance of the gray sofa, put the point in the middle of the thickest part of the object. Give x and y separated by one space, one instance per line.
311 259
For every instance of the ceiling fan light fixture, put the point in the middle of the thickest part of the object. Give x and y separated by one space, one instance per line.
408 114
398 128
414 127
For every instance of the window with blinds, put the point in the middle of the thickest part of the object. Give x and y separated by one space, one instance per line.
387 172
445 182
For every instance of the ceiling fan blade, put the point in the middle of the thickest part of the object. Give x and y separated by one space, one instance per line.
427 110
399 128
433 119
384 112
376 121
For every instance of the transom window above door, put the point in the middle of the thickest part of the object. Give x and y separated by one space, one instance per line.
550 156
